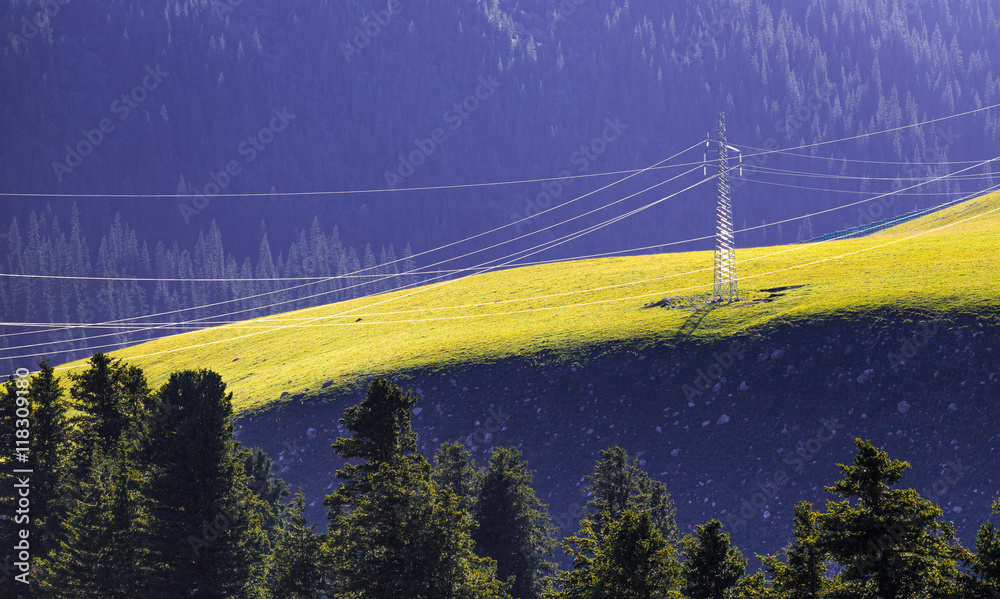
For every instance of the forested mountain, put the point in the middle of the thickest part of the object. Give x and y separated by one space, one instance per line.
362 87
164 291
208 98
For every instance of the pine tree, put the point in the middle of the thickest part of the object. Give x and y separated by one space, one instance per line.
629 558
299 558
986 562
205 533
393 533
711 565
270 490
100 552
455 470
407 539
381 434
50 442
110 398
803 574
892 543
514 526
619 484
637 562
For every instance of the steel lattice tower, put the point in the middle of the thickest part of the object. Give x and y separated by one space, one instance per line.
725 242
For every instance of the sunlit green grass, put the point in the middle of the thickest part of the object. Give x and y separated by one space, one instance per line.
568 308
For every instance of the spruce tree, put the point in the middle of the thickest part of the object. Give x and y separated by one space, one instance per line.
629 558
110 398
803 574
514 526
299 563
205 534
381 433
619 484
393 533
100 551
455 470
891 542
636 562
50 442
270 490
712 567
986 562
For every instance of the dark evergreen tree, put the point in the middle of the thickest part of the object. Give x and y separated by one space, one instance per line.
405 538
50 442
619 484
711 567
803 573
891 543
270 490
299 563
985 584
455 470
393 533
514 526
628 559
205 534
381 434
100 552
110 398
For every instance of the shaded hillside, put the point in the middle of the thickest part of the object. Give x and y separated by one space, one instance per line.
762 421
568 308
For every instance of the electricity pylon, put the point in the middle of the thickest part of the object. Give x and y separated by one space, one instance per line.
725 288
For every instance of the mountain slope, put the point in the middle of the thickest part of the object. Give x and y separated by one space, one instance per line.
894 344
939 264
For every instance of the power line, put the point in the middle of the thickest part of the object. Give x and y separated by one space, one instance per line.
149 328
793 173
416 271
544 246
286 194
598 302
868 162
874 133
851 191
611 221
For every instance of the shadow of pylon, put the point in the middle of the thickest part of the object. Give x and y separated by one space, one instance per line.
690 325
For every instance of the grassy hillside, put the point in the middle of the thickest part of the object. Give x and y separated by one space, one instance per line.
939 264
